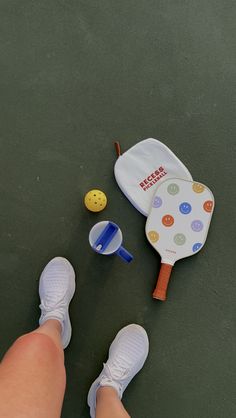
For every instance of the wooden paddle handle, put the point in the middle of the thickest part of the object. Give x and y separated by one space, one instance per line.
118 148
162 282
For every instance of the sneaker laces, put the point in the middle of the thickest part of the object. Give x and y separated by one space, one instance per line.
115 373
60 306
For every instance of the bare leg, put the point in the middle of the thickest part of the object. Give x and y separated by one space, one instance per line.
127 355
109 404
32 375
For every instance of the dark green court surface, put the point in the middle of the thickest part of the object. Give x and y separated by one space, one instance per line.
75 75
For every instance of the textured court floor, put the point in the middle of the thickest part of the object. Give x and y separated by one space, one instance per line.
76 75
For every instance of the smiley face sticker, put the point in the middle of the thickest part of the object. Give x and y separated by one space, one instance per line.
198 187
153 236
196 246
197 225
208 206
185 208
157 202
179 239
173 189
168 220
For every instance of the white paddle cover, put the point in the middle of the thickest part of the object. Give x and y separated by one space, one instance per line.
145 165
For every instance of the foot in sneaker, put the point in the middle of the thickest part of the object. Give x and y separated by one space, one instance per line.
127 355
56 289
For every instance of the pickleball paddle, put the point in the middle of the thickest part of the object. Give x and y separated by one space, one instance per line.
178 224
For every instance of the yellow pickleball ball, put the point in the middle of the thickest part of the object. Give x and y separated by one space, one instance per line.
95 200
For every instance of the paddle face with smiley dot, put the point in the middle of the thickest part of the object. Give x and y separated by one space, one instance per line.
178 224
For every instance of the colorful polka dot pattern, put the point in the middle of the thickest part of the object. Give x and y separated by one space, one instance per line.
192 215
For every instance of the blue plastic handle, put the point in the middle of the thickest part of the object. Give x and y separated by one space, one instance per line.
105 237
124 254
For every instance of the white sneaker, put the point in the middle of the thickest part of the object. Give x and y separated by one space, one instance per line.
127 355
56 289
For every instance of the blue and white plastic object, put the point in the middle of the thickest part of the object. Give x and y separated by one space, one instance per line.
106 238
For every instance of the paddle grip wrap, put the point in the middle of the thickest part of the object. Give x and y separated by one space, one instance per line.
162 282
